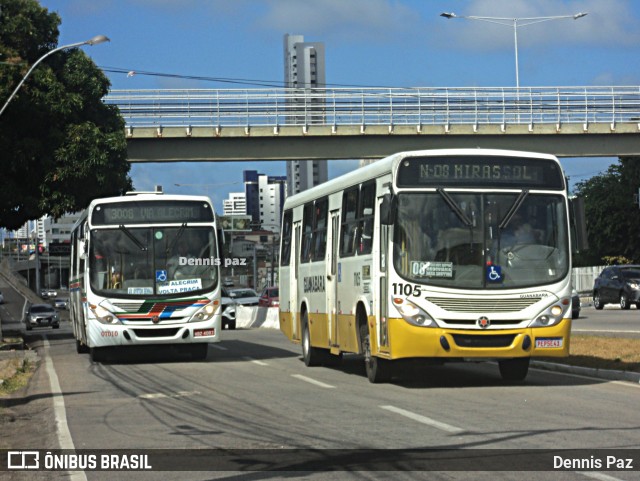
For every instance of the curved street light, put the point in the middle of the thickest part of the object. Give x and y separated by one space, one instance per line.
515 22
93 41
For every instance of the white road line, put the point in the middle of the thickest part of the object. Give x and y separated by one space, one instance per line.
64 435
599 476
217 346
255 361
606 330
424 420
312 381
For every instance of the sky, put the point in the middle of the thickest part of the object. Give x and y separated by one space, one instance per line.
368 43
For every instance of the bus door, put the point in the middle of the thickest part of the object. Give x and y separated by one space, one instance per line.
382 310
293 280
332 279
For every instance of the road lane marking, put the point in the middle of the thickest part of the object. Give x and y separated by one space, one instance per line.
424 420
612 331
255 361
312 381
62 428
599 476
216 346
159 395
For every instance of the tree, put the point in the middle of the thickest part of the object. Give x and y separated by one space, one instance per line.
60 145
613 223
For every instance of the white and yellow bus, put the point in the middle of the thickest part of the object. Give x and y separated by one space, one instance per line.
145 270
447 255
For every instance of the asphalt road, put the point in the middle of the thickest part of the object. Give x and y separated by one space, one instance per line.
254 393
610 321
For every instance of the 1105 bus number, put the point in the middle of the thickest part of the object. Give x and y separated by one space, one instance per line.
400 288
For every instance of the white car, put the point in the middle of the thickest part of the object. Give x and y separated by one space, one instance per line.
244 296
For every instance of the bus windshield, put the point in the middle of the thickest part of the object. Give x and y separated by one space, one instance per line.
152 261
481 240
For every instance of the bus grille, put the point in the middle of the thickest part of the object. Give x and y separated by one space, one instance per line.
473 322
156 332
466 340
482 305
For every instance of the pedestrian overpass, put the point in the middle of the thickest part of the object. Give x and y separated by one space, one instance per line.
348 123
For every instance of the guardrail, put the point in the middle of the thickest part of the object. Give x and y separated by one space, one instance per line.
377 106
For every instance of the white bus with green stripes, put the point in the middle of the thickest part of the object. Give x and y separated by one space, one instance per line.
441 255
145 270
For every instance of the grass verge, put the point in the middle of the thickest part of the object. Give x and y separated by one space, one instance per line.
23 372
600 352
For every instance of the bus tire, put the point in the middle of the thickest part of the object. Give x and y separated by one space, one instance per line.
96 354
81 348
312 356
378 370
514 369
199 351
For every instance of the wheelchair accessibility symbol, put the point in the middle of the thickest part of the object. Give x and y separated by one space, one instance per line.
161 276
494 273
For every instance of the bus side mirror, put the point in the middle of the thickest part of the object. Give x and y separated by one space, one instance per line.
388 209
221 244
82 248
578 224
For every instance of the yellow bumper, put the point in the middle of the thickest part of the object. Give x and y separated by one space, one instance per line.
406 341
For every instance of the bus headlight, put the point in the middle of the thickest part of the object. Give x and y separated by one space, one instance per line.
104 316
413 314
206 312
553 314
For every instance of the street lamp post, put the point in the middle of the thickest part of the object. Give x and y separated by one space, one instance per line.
93 41
515 22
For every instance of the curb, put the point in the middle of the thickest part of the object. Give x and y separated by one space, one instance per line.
606 374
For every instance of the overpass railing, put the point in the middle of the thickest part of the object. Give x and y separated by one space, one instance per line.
376 106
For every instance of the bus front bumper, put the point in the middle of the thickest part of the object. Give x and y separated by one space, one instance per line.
408 341
101 335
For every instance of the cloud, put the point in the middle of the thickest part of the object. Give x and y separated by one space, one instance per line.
362 20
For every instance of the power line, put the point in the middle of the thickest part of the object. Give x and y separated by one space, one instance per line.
239 81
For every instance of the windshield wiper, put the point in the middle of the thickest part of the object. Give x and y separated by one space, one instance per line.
514 208
175 239
126 231
455 207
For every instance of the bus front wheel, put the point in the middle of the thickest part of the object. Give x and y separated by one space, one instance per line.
378 370
97 354
514 369
312 355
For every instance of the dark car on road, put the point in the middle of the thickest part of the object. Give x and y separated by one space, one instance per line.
617 285
41 315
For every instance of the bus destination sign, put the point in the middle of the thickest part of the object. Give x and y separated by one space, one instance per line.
146 212
480 171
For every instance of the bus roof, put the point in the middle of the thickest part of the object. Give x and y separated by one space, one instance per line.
388 164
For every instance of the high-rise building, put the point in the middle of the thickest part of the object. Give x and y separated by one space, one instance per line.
304 69
236 204
265 197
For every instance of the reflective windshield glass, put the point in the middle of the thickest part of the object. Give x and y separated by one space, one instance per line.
475 240
155 261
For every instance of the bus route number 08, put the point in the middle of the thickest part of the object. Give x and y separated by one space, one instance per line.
400 288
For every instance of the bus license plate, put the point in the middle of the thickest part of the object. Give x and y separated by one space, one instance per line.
204 332
549 342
